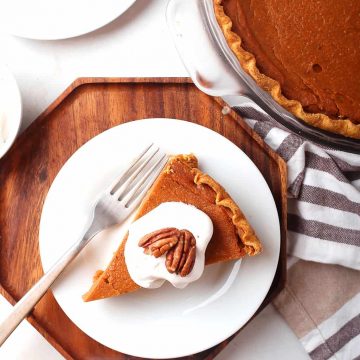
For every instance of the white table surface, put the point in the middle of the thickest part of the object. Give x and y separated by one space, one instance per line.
136 44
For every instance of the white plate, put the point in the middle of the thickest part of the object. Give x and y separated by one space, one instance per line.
10 109
166 322
58 19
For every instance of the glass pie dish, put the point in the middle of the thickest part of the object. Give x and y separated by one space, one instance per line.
215 70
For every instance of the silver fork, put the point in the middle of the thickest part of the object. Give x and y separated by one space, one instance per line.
112 207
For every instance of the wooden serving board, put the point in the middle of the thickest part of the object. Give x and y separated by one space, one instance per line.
85 109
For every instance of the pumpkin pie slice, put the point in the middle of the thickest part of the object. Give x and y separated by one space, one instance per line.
182 181
305 53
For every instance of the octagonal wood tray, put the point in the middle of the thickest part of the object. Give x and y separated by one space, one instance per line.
88 107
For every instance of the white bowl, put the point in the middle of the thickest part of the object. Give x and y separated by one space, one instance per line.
10 109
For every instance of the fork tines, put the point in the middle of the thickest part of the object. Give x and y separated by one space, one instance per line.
139 176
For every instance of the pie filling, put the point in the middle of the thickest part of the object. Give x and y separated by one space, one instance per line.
306 53
183 185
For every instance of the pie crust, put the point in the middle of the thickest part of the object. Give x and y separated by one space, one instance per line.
247 60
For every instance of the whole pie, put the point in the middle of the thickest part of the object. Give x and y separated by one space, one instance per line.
305 53
182 181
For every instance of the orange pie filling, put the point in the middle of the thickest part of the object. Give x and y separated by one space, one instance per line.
181 182
305 53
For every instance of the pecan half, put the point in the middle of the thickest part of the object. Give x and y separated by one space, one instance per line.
160 241
180 246
180 259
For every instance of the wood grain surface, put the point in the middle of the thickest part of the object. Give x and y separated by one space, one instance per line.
88 107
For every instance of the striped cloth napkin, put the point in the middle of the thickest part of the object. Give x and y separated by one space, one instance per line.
321 300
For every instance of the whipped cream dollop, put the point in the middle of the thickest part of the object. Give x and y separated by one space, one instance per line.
151 272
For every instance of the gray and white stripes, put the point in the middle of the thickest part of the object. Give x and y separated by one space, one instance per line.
324 195
323 226
321 303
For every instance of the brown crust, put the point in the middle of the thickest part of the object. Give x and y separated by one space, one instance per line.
246 233
247 60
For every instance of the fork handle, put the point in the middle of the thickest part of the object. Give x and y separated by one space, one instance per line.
34 295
